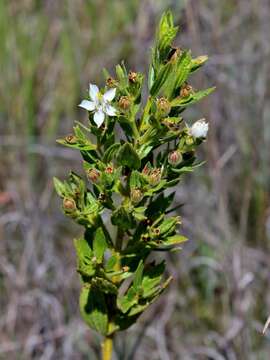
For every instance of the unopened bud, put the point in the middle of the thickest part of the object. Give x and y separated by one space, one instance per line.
186 90
93 175
69 204
136 195
174 157
174 55
124 102
146 170
163 106
71 139
155 177
109 169
111 82
132 76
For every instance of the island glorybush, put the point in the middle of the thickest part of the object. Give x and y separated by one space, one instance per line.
132 152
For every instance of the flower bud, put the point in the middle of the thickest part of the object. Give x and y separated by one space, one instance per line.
186 90
154 177
109 169
111 82
69 204
146 170
93 175
136 195
199 129
174 55
163 106
71 139
124 102
132 76
174 158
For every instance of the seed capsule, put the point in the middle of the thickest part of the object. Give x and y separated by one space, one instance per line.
136 195
132 76
69 204
93 175
186 90
163 106
175 157
109 169
155 177
124 102
71 139
111 82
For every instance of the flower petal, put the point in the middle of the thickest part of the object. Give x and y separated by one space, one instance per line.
109 95
109 110
87 105
99 117
93 92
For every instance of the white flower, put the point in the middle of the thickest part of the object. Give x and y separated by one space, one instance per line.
199 129
99 104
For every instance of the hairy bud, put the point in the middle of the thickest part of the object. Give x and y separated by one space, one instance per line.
124 102
93 175
69 204
175 157
154 177
136 195
132 76
111 82
71 139
163 106
186 90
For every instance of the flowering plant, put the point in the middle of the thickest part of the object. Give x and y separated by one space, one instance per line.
137 153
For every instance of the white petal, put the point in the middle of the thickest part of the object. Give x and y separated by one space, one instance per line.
93 92
87 105
99 117
110 110
109 95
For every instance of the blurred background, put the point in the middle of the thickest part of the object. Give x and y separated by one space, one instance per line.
219 300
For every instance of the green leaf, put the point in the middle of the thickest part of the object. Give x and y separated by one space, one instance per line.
137 281
104 285
152 278
60 187
93 309
162 76
99 245
175 239
86 266
110 265
192 98
127 156
110 152
126 302
123 219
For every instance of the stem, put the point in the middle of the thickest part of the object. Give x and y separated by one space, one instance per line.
107 348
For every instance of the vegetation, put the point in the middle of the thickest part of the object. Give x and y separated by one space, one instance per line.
218 301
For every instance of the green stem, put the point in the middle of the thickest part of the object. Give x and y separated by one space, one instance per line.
107 348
